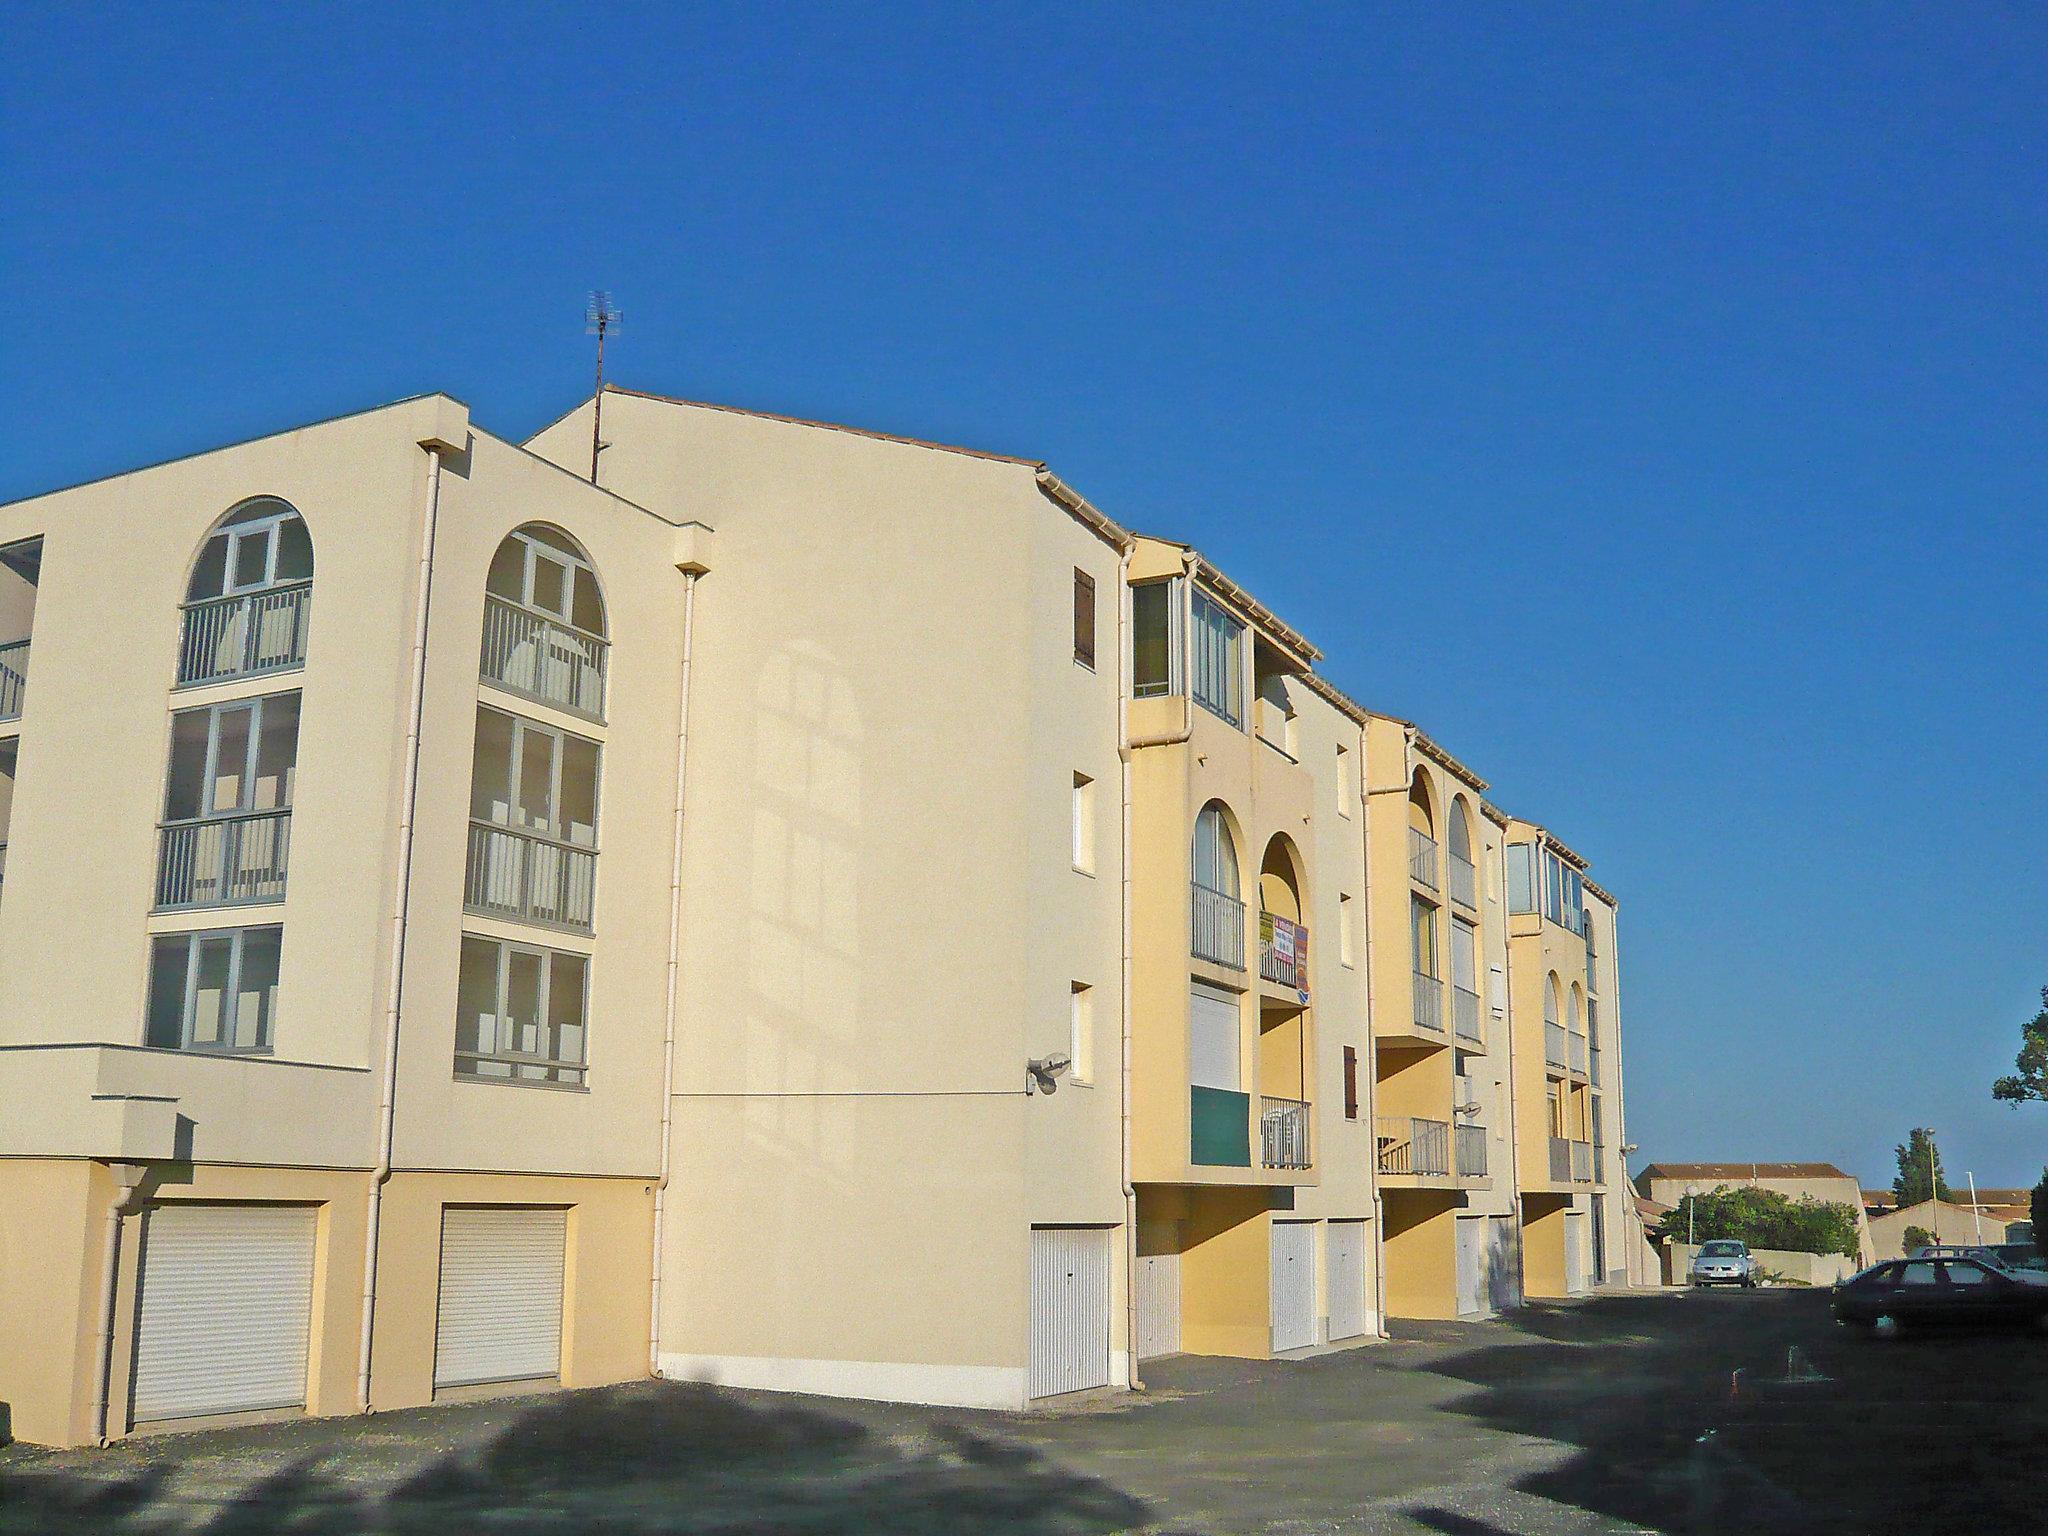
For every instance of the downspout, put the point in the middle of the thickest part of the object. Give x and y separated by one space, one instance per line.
1123 751
675 941
130 1200
1507 982
400 904
1372 1065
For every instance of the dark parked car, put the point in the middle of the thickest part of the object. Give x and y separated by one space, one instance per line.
1941 1293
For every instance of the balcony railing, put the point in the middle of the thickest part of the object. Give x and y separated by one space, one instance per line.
1560 1160
1429 1002
1283 1133
1422 857
1464 881
531 654
1582 1162
1465 1012
1218 927
1283 951
1471 1149
1599 1162
13 678
1554 1052
529 878
1408 1145
223 861
244 635
1578 1056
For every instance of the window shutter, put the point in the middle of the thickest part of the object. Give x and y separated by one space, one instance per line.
1084 618
1350 1083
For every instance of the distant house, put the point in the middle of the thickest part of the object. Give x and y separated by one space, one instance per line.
1948 1221
1669 1183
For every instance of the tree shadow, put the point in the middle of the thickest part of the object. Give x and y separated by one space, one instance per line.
649 1458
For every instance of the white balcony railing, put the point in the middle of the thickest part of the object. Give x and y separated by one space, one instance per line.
223 861
1283 951
1429 1002
1471 1149
1554 1052
1422 857
1465 1012
1582 1162
13 678
1578 1056
533 655
244 635
1411 1146
1560 1160
1464 881
1217 924
1283 1133
529 878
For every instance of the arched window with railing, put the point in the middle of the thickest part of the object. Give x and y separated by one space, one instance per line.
1422 832
249 597
544 622
1218 909
1463 867
1554 1053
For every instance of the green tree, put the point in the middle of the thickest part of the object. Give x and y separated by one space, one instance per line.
2031 1080
1917 1159
1917 1237
1763 1218
2039 1212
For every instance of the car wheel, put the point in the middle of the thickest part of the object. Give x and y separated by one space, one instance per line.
1885 1326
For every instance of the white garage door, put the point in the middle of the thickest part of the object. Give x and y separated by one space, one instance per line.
1503 1268
226 1303
1574 1252
1344 1257
1472 1288
500 1313
1294 1285
1069 1310
1158 1304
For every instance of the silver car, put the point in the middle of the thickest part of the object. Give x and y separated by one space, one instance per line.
1724 1261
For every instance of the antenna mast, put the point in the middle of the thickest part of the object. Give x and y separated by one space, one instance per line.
599 318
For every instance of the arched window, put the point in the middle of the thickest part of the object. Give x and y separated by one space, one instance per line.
1577 1012
1421 833
1217 918
249 595
1461 829
1550 990
1215 853
544 626
1421 811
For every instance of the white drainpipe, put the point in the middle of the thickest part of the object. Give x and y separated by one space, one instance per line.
1372 1061
1123 752
675 941
408 797
130 1200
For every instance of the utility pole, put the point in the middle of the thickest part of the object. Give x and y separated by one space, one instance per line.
599 318
1933 1184
1976 1214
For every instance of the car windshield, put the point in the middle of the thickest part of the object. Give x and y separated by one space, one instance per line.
1721 1251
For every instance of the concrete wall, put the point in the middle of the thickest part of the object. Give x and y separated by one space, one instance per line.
1790 1267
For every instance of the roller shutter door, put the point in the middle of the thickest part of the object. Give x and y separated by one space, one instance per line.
1294 1285
1504 1268
1158 1305
1472 1287
1574 1253
500 1312
1069 1310
1344 1251
225 1305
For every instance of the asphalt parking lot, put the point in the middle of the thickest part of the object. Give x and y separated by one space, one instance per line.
1732 1412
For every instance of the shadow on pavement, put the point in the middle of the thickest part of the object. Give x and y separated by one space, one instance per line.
680 1459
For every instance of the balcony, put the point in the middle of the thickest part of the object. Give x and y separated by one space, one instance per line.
1283 1133
1429 1002
1464 882
1218 927
1283 951
1582 1162
245 635
527 653
1219 1128
527 878
1408 1146
1422 858
1554 1052
13 678
1578 1054
1470 1145
1560 1160
223 861
1465 1013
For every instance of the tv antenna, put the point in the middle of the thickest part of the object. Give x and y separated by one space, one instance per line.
599 318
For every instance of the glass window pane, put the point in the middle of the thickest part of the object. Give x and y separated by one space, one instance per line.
536 779
550 585
210 574
165 1023
185 791
277 754
252 559
490 777
1966 1274
507 578
1425 938
210 991
230 758
579 791
568 982
294 550
476 1005
256 989
1521 879
587 610
1151 631
521 1027
1921 1273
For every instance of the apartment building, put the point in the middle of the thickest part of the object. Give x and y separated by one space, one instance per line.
919 941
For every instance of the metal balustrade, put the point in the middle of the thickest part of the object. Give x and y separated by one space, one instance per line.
1422 857
1578 1054
1560 1160
1471 1149
1411 1146
1283 1133
223 861
1554 1053
1283 951
1217 921
1429 1002
1464 881
529 878
1465 1012
13 678
1582 1162
244 635
542 658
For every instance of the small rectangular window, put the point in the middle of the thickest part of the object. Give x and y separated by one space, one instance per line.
1084 619
1155 631
1521 877
1350 1083
1347 792
1424 918
215 990
521 1013
1084 824
1082 1028
1345 919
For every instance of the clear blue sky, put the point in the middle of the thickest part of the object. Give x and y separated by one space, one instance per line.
1649 399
